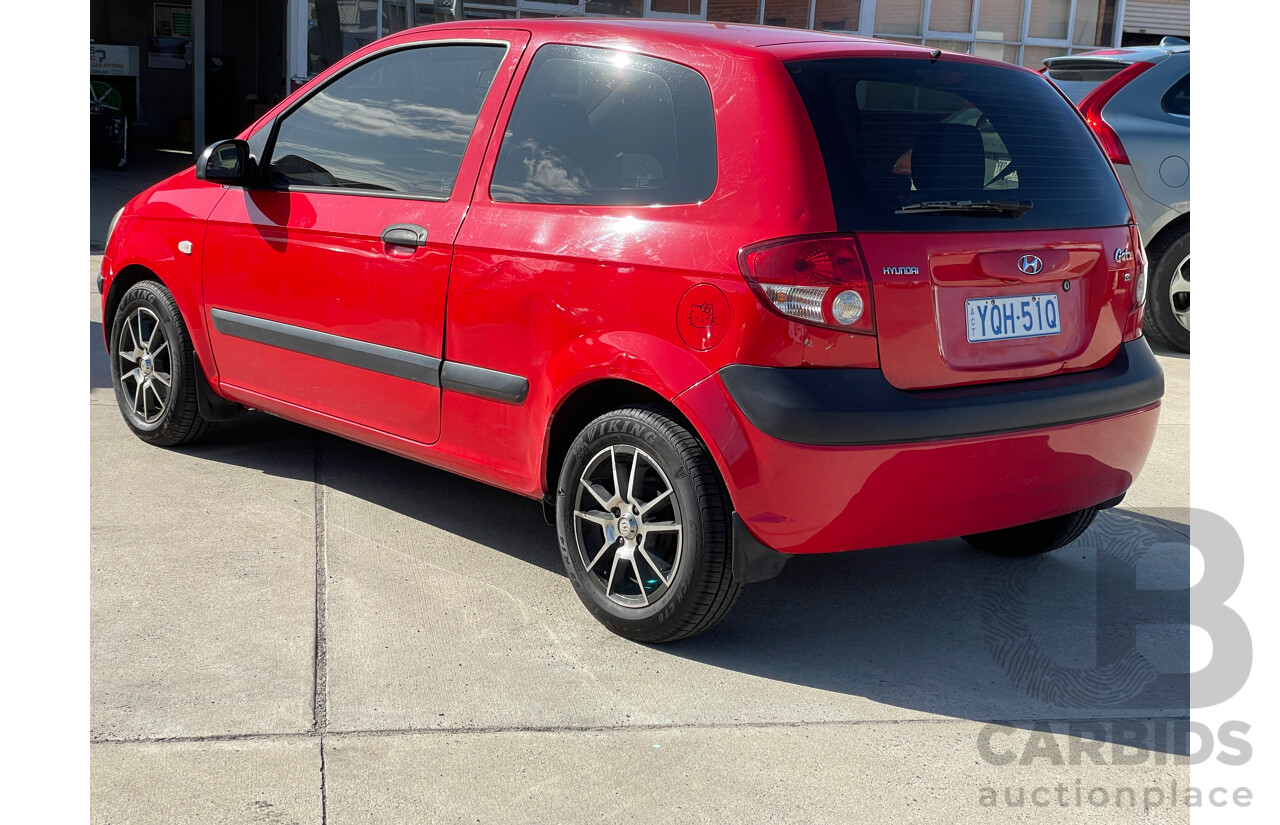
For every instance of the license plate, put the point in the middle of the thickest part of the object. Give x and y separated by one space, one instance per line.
1018 316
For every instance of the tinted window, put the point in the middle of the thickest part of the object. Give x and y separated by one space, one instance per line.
1077 78
1177 101
595 126
899 132
397 123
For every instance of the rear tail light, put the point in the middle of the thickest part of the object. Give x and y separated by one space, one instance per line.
1138 309
1139 267
1093 103
817 279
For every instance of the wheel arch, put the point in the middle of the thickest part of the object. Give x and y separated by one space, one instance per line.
123 281
1178 225
751 560
213 406
584 404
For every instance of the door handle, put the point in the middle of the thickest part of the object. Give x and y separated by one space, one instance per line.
404 234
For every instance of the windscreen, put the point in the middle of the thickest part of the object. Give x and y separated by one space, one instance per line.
914 145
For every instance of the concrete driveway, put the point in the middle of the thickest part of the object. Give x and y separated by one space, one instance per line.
292 628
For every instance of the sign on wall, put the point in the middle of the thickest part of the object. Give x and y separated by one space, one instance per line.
113 60
169 46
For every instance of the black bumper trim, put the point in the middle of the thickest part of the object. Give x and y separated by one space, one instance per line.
858 407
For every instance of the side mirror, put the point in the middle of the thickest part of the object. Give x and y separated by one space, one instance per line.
227 161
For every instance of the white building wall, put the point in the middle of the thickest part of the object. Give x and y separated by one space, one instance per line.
1158 17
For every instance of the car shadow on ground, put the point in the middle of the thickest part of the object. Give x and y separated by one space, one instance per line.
1089 632
99 363
1161 349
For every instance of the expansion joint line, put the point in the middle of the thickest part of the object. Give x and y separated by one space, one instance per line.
320 704
320 697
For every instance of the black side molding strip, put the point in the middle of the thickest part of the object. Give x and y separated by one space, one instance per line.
448 375
387 360
849 407
498 386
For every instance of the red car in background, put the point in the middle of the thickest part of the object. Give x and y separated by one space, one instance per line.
680 281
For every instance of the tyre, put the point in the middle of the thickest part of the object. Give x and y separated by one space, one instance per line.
1037 537
643 527
1168 319
153 368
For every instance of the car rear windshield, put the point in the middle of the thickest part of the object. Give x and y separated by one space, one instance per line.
913 145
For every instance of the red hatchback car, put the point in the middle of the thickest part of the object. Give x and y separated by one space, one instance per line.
716 294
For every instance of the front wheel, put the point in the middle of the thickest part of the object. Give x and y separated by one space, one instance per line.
643 527
1037 537
153 368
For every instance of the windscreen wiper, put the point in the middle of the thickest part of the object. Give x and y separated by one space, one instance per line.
1011 208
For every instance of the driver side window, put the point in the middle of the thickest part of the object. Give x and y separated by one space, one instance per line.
398 123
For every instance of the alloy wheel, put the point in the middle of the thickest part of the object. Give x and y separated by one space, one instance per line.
1180 293
146 374
628 526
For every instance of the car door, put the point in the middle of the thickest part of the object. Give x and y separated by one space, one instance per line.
325 283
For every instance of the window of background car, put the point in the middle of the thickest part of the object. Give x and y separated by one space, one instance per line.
397 123
1177 101
899 132
596 126
1076 78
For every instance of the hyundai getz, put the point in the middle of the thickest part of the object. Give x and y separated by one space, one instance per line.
718 295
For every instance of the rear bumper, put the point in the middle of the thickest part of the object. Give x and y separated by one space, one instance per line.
853 407
883 468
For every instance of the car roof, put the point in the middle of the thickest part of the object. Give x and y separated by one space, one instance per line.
1131 54
729 36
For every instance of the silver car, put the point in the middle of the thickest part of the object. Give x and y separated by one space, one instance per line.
1138 103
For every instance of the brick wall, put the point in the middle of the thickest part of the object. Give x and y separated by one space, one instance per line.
836 15
1000 19
1050 18
899 17
734 11
793 13
997 20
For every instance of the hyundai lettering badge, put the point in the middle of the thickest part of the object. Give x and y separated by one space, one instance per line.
1030 265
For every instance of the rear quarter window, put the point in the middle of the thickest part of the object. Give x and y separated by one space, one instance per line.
598 126
1177 101
895 133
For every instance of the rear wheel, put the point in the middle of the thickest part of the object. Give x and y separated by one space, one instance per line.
153 368
1168 319
1037 537
643 527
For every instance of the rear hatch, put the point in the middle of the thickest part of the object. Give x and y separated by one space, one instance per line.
994 232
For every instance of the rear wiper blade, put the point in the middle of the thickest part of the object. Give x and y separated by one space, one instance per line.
1013 208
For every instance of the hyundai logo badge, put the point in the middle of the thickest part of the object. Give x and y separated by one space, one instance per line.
1030 264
